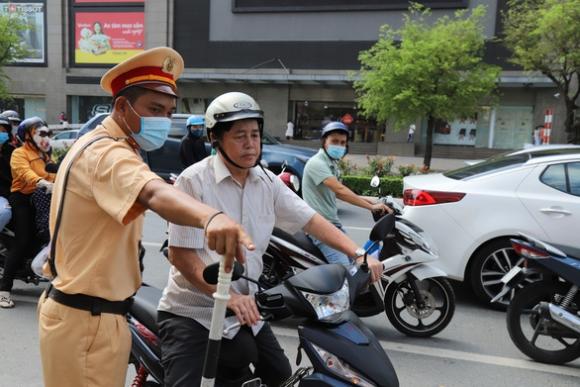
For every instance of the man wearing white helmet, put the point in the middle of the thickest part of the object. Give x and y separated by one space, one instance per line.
234 182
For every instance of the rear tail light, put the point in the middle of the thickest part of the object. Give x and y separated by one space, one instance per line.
419 197
529 252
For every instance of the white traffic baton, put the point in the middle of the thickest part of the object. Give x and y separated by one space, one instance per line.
221 297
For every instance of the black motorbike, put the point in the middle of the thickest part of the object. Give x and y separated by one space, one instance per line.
341 349
543 318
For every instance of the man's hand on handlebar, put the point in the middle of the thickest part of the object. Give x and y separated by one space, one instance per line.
381 209
375 267
245 308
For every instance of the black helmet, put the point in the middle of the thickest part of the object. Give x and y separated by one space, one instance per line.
334 126
27 125
12 116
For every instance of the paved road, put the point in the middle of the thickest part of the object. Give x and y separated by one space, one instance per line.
474 350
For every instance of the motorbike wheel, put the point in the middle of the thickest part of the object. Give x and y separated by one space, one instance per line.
405 315
556 345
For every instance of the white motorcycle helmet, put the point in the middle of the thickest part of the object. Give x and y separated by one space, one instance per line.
229 107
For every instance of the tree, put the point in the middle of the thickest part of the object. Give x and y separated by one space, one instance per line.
544 35
12 26
432 71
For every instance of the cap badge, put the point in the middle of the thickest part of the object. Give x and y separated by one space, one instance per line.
168 64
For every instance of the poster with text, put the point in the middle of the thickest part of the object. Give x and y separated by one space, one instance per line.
107 1
108 37
32 38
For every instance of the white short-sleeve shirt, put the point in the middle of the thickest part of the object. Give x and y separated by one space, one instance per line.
262 204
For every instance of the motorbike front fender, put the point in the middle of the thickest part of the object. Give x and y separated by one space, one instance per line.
422 272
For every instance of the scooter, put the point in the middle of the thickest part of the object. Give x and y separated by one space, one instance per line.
26 274
413 292
341 349
543 318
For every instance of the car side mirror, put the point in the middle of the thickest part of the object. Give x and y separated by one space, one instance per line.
210 273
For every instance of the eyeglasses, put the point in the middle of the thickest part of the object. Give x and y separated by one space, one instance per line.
45 133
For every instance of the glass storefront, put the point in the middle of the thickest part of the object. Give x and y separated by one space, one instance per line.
503 127
83 108
513 127
26 107
311 116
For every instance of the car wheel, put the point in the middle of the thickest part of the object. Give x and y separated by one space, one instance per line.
488 266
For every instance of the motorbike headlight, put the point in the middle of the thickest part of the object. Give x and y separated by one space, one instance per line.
340 368
328 305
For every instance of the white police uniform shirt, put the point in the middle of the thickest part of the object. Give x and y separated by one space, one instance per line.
264 202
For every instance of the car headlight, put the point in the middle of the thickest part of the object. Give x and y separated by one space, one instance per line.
328 305
340 368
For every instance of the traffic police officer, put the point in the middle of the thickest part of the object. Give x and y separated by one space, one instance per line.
84 337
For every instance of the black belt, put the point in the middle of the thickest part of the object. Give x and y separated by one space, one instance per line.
95 305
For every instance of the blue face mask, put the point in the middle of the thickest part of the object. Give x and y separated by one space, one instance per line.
153 132
336 151
3 137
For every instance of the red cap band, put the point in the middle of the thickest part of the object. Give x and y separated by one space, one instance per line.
147 74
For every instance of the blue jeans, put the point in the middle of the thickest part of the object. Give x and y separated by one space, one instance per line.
5 212
332 255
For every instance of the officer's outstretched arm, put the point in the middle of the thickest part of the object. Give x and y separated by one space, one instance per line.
223 235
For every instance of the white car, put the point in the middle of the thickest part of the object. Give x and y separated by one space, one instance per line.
64 139
472 212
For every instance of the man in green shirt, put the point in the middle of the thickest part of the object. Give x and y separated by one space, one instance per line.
321 187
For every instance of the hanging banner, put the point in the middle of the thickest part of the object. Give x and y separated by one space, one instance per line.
108 37
32 39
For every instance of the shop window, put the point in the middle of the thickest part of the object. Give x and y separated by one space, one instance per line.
513 127
310 117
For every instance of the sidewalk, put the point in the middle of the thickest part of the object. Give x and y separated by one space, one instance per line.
436 163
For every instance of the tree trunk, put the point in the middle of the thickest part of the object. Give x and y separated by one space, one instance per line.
571 135
429 143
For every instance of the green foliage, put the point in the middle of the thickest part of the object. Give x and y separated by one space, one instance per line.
11 48
380 166
361 185
544 35
58 154
406 170
427 69
347 167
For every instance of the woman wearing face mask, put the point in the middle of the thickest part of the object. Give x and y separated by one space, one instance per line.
192 147
321 187
28 173
6 149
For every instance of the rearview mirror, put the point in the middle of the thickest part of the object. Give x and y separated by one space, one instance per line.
210 273
375 181
382 228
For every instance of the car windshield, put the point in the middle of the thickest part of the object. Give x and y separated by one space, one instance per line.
268 139
506 160
492 164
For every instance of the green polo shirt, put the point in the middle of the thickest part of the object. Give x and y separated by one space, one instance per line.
318 196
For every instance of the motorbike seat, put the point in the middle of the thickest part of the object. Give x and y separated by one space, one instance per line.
144 307
301 240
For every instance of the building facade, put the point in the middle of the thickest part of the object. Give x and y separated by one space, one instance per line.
298 58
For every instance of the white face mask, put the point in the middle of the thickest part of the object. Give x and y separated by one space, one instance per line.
42 142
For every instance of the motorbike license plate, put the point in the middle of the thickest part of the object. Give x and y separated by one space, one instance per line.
511 274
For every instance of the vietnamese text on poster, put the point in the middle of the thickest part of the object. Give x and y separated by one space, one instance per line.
108 37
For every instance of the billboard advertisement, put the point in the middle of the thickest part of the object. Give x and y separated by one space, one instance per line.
107 1
33 38
108 37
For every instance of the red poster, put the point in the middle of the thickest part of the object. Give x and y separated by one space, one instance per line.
108 1
108 37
